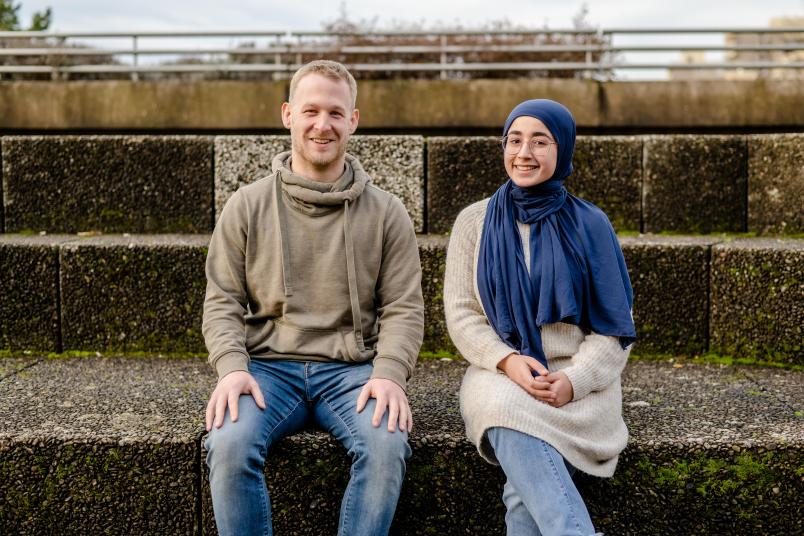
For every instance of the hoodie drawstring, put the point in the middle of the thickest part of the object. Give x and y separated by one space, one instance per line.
280 222
351 274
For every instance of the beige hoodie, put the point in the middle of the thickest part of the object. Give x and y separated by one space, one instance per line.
304 270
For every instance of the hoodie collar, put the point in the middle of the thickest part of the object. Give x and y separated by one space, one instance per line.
313 197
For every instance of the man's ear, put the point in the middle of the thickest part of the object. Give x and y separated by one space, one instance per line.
286 114
353 121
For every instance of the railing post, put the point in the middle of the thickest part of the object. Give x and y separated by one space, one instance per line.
135 76
443 56
607 39
56 74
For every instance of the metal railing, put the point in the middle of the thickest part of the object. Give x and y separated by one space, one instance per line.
591 52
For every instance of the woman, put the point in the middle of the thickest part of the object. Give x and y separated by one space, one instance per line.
538 300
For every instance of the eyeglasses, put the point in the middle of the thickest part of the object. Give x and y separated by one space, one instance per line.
538 145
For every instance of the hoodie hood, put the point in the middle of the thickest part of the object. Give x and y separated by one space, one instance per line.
314 197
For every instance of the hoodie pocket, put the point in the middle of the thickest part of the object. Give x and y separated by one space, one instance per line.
285 338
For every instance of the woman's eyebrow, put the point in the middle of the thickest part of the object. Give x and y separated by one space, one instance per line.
533 135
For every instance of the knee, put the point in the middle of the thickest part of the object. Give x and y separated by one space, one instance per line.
234 445
383 449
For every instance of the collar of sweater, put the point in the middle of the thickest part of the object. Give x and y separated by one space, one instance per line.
314 197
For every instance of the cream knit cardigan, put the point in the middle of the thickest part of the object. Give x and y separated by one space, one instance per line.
588 431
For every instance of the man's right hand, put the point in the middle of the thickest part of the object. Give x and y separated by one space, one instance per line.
227 392
520 369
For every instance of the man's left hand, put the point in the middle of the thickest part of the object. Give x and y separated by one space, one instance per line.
389 395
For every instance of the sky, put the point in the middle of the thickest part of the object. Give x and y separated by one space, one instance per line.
103 15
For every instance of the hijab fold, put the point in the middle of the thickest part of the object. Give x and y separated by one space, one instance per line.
577 271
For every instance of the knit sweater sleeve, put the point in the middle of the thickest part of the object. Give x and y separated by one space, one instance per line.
400 308
226 297
599 361
468 326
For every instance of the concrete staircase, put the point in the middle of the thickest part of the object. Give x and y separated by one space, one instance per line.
103 379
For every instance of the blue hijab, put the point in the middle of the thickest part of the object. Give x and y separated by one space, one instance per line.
577 271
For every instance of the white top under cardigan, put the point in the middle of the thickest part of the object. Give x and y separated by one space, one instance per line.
588 431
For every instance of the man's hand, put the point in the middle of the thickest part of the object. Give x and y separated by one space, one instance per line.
561 386
520 369
228 391
389 395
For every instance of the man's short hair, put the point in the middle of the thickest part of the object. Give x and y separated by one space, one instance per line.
330 69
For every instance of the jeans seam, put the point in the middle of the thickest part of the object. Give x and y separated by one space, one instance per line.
286 417
561 483
348 496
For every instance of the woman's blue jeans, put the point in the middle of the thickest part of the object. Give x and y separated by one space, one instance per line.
540 497
297 393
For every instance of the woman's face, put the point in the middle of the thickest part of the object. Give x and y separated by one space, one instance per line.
531 152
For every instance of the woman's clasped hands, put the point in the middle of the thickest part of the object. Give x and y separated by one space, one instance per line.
553 388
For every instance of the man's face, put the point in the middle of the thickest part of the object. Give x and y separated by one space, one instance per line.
320 119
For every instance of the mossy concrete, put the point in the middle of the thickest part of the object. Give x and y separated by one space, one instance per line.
776 183
107 183
757 305
433 257
608 172
95 445
394 163
139 292
694 184
460 171
670 278
102 446
29 291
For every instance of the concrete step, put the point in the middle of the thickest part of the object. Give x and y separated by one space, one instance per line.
742 297
114 445
166 184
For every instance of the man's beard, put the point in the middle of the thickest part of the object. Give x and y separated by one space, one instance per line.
321 160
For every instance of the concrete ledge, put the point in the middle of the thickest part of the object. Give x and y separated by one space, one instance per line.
395 164
108 183
133 293
776 183
670 277
29 292
702 103
115 445
146 292
695 184
125 105
100 446
758 299
401 104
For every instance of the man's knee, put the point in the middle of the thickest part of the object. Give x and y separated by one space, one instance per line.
237 443
384 449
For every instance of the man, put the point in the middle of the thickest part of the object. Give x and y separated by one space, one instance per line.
313 314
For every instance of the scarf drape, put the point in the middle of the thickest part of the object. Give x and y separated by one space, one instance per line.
577 270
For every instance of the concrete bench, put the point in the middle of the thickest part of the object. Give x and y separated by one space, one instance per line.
114 445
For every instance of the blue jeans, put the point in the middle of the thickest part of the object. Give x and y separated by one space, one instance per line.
540 497
296 393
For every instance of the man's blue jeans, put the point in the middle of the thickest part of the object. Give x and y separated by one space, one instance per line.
540 497
297 393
